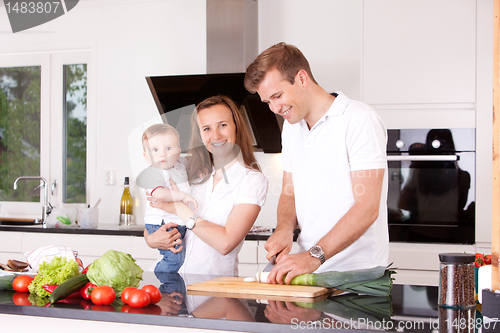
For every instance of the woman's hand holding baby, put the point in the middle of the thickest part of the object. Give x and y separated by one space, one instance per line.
163 239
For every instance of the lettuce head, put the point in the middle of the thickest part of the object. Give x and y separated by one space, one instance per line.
55 271
115 269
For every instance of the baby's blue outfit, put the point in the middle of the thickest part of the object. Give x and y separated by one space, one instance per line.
171 262
154 218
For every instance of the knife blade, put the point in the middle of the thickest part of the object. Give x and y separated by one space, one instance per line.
270 264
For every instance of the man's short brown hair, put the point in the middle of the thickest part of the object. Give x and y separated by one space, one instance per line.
286 58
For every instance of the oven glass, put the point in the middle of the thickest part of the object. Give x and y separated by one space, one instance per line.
431 196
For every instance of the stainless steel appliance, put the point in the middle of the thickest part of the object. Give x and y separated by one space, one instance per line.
431 197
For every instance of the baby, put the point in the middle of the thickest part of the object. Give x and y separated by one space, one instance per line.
162 151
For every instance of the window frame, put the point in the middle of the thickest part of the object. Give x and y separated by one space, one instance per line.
51 127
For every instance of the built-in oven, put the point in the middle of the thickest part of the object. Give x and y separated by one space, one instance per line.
431 194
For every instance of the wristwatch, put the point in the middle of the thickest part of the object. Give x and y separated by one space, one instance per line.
191 221
317 252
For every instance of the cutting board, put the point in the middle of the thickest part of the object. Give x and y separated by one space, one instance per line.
235 286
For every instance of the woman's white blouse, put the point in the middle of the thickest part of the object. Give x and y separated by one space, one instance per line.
243 186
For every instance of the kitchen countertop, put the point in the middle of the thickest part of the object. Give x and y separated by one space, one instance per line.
112 229
412 305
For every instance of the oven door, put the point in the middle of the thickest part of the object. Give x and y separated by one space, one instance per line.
431 198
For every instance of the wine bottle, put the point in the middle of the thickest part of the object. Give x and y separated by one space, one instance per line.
126 205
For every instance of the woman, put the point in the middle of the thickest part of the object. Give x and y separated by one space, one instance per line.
229 188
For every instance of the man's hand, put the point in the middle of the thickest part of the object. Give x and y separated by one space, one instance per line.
279 243
292 265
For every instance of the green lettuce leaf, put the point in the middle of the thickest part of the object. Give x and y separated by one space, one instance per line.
58 270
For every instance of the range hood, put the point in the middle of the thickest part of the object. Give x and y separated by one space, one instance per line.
231 46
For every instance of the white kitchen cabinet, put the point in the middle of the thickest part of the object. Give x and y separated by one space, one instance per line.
13 245
252 257
247 258
418 264
421 52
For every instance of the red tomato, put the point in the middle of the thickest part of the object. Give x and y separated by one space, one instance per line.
21 283
487 259
21 298
126 294
138 298
154 293
103 295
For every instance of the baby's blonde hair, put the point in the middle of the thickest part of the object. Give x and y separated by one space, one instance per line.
158 129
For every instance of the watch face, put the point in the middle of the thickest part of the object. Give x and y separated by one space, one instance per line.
315 250
190 223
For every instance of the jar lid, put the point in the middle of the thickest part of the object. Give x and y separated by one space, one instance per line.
457 257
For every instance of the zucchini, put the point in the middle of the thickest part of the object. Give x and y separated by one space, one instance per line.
68 287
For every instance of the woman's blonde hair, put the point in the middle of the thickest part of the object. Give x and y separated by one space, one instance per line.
201 162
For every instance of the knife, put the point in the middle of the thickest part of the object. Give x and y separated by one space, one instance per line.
270 264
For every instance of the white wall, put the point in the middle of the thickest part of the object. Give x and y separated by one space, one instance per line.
128 40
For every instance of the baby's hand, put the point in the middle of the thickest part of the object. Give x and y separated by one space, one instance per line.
189 199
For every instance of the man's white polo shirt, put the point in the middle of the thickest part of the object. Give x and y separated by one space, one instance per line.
349 137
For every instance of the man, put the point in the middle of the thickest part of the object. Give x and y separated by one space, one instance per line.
334 171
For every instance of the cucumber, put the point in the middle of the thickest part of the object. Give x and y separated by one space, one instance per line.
68 287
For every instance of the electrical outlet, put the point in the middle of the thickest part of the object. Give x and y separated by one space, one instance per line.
110 177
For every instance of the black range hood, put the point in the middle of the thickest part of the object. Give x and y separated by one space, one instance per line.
174 92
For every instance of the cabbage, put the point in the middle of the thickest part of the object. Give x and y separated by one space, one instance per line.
115 269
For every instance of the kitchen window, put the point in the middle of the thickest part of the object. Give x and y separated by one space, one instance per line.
43 130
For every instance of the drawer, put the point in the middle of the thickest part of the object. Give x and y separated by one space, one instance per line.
261 251
422 256
248 253
11 241
85 245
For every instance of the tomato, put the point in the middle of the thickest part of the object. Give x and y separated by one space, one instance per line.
21 283
138 298
487 259
154 293
21 298
103 295
126 294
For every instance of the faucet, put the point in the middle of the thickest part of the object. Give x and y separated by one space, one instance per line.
47 207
